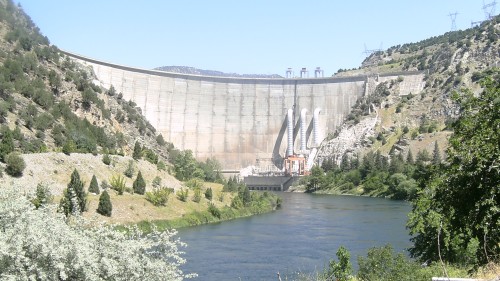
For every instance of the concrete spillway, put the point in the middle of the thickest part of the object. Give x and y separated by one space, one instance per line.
236 120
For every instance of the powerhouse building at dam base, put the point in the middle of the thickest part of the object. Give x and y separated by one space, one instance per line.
274 124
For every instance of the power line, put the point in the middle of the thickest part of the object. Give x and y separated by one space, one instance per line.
489 9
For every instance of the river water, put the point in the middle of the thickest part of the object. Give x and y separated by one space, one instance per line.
302 236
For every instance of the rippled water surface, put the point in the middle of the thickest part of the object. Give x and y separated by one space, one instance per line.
300 237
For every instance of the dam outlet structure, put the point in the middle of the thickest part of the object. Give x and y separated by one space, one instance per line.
241 122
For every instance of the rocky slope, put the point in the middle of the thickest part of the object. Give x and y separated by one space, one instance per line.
451 62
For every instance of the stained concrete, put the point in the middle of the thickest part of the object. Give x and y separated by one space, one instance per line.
236 120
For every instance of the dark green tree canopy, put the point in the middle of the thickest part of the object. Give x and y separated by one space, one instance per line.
459 208
94 186
139 184
105 207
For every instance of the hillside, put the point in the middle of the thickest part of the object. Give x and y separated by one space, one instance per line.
450 62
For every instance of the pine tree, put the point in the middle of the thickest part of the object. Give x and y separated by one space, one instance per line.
436 155
7 145
139 184
409 158
105 207
137 151
74 200
209 194
94 186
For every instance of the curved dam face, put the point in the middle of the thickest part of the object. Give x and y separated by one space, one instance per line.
239 121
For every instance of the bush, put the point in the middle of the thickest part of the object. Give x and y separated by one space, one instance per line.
159 196
129 172
106 159
117 183
105 207
182 194
197 195
15 164
94 186
34 241
139 185
161 166
209 194
43 196
214 210
342 269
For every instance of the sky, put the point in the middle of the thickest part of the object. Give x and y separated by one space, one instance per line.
245 37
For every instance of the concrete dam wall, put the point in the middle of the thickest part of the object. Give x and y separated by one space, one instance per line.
239 121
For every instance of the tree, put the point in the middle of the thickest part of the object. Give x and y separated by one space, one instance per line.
456 218
105 207
43 196
409 158
139 184
137 151
6 145
186 167
106 159
15 164
342 269
315 180
94 186
436 155
209 194
74 200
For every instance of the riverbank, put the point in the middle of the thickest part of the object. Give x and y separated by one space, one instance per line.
134 209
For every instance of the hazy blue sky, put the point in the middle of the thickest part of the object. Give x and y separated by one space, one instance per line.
257 36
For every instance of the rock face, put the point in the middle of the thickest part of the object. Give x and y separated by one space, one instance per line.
349 139
236 120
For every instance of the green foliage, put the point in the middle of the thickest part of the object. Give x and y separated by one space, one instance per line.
150 156
117 183
156 183
342 269
15 164
69 147
139 184
212 170
455 216
214 210
6 145
43 196
315 179
182 194
186 166
194 183
159 196
105 207
160 140
137 154
74 200
209 194
161 166
129 172
94 186
106 159
382 263
197 195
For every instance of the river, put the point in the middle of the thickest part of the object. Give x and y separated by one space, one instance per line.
302 236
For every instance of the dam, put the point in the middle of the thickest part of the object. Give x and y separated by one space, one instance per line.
240 121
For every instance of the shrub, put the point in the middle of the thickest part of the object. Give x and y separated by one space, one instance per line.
342 269
139 185
159 196
106 159
161 166
209 194
214 210
182 194
117 183
129 172
43 196
197 195
194 183
34 241
74 200
137 151
69 147
94 186
105 207
156 183
15 164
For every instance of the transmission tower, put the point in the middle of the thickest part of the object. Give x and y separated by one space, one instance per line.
489 9
453 17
